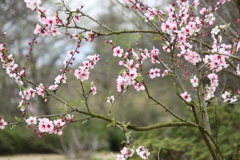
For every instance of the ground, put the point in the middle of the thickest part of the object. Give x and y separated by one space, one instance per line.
96 156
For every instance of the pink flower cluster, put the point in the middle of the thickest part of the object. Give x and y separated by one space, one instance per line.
132 61
143 152
209 90
125 153
47 126
128 152
90 36
10 66
83 72
153 73
152 13
49 27
49 22
29 93
32 4
227 96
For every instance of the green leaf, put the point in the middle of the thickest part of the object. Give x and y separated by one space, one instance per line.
28 69
192 8
128 134
13 126
229 24
156 38
62 109
59 3
128 45
139 78
92 84
26 63
126 125
137 37
84 121
86 84
110 124
80 91
77 102
71 104
81 36
18 119
122 71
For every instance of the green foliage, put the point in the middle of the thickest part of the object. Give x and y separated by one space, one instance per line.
19 140
186 142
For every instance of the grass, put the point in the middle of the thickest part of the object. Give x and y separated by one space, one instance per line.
95 156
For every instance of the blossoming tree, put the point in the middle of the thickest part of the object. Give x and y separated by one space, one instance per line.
183 54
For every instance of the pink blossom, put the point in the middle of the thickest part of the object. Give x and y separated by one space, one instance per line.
88 65
94 90
170 9
194 81
45 125
209 90
203 11
59 125
82 73
182 38
53 87
120 157
165 73
49 20
165 26
40 89
213 78
195 3
117 51
54 31
139 86
60 78
227 96
153 73
121 85
149 16
127 152
31 120
29 93
186 96
78 17
69 117
91 36
192 57
216 62
210 18
110 99
215 30
32 4
143 152
2 123
94 58
238 70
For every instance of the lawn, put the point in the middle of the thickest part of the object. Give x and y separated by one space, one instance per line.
95 156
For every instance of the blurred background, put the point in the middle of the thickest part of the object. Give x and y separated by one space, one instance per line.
93 139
